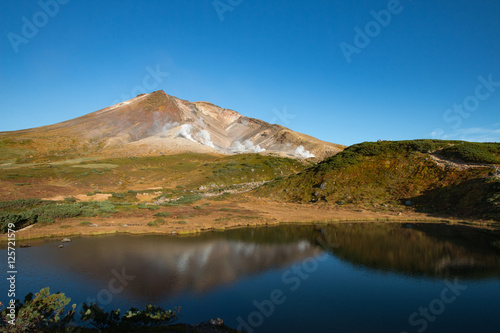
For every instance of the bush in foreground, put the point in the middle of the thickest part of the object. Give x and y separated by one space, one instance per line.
46 312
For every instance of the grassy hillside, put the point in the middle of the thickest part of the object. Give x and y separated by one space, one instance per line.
403 173
12 151
184 171
129 183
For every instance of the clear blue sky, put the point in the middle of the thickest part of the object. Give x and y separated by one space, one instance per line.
283 61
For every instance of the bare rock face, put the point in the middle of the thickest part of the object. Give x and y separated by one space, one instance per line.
152 123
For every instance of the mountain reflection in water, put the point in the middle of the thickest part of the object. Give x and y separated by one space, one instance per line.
165 266
434 250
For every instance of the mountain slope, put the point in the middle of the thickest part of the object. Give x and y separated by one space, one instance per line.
157 123
450 178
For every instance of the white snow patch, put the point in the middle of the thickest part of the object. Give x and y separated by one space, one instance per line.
185 132
247 146
302 152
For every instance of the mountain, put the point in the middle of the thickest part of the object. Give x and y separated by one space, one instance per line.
445 178
157 123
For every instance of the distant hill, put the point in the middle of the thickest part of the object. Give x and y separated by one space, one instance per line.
451 178
158 124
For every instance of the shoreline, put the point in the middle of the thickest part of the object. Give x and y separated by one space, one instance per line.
195 232
206 215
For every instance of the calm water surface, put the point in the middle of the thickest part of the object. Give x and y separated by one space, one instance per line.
329 278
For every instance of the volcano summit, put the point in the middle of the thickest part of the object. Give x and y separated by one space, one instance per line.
157 123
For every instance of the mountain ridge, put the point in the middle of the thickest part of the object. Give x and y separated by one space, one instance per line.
158 123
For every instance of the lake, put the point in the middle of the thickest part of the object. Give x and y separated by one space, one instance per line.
311 278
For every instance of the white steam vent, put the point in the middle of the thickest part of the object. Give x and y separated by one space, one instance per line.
247 146
185 132
204 138
302 152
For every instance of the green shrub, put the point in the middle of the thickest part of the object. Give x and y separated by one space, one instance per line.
118 195
159 221
20 220
134 319
46 312
461 150
123 203
152 224
45 219
470 152
21 203
101 206
50 211
150 207
97 317
162 214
